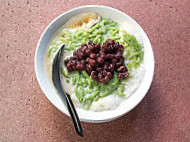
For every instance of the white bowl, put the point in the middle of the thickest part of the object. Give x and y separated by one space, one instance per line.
123 20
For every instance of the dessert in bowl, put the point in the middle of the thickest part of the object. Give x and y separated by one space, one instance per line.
107 65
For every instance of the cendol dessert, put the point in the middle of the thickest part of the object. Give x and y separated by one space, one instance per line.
102 64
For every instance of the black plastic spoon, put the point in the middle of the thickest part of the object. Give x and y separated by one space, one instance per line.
64 96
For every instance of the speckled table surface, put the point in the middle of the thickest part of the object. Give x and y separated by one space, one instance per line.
26 115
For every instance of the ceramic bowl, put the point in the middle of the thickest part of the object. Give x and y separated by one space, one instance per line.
125 21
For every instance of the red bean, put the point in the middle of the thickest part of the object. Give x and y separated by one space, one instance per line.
69 67
109 74
84 45
117 45
94 75
111 67
87 51
109 56
122 69
100 60
73 58
122 72
100 75
118 55
118 64
92 55
102 54
75 53
79 66
99 69
92 48
104 72
83 62
106 65
90 43
87 59
106 79
66 61
122 59
114 60
80 55
120 76
110 41
89 68
121 48
97 46
92 62
73 62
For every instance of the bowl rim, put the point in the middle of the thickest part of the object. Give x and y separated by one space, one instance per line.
105 119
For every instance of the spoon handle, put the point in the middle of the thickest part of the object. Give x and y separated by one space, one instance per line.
74 116
72 111
70 107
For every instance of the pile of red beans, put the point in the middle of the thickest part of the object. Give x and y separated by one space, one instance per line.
99 61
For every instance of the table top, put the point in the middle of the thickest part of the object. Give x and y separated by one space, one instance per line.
26 115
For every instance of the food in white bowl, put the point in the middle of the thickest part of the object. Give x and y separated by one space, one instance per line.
89 70
112 105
